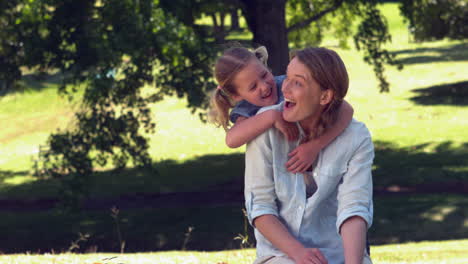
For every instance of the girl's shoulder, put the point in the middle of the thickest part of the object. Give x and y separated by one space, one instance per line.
280 78
279 82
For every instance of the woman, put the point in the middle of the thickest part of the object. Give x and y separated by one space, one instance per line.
320 216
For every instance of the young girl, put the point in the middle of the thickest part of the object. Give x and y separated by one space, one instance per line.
246 85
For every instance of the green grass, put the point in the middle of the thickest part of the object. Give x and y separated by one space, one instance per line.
419 130
449 252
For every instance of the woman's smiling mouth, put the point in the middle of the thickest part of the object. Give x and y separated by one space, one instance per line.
289 103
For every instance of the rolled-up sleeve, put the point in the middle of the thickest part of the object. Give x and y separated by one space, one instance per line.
355 190
259 191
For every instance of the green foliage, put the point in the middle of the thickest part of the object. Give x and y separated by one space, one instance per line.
187 11
10 45
312 35
113 48
320 15
371 36
436 19
345 18
338 22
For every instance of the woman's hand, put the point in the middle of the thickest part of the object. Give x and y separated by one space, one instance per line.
309 256
302 157
289 130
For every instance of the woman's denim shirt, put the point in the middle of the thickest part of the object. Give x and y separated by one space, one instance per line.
344 181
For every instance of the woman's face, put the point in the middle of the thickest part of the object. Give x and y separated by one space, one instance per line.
302 94
256 85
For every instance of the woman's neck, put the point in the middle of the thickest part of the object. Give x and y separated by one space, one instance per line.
309 125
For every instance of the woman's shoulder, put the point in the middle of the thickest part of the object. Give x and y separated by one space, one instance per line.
356 129
353 136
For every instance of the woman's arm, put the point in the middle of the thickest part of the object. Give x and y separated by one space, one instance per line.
353 232
279 236
245 129
345 115
305 154
355 206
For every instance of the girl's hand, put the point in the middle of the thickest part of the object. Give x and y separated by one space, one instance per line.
310 256
289 130
302 157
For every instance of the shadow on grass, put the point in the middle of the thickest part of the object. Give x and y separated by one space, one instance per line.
206 173
5 174
142 230
396 219
35 82
409 216
457 52
429 165
424 165
419 217
445 94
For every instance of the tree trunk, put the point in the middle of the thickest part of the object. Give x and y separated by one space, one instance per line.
267 22
234 19
219 31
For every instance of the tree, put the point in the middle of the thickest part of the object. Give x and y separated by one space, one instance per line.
372 32
436 19
9 46
234 19
271 27
266 20
111 49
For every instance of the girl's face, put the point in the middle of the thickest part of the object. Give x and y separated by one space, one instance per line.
304 99
256 85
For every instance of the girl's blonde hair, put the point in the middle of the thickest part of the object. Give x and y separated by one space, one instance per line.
329 71
226 68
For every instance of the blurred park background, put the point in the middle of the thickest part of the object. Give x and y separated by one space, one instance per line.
104 145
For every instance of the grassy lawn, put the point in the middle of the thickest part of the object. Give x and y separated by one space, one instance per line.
419 130
453 252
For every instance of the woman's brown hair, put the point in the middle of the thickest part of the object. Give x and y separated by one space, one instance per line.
226 68
329 71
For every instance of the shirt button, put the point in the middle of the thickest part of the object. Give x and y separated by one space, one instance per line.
315 173
300 207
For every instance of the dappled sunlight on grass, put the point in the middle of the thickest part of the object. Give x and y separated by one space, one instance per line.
425 163
419 217
439 213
